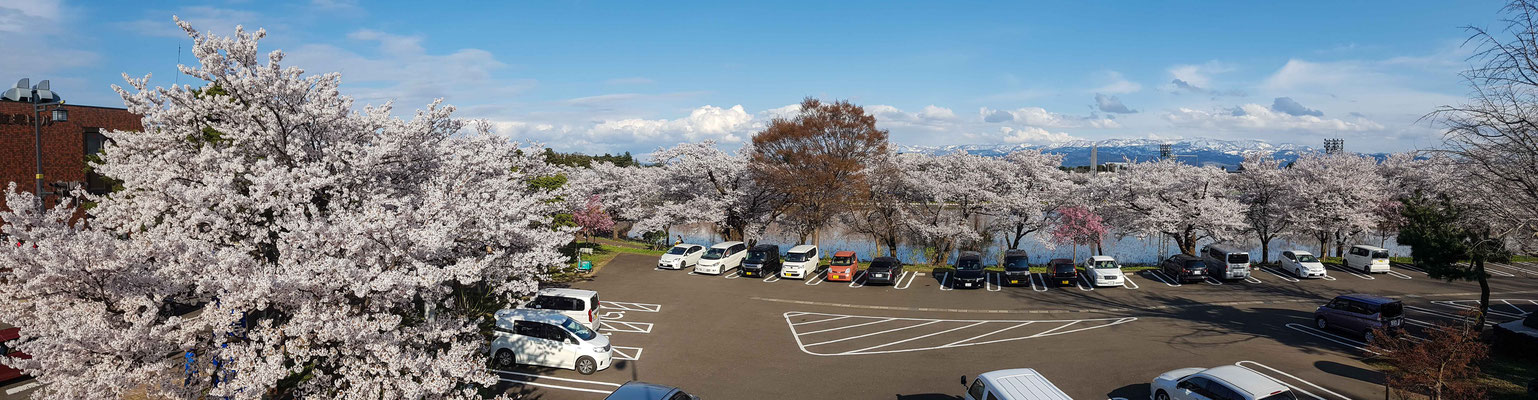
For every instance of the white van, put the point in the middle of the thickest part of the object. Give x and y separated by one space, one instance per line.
800 262
1012 384
548 339
1225 261
721 258
580 305
1367 259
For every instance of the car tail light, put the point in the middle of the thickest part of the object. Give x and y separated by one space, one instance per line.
590 312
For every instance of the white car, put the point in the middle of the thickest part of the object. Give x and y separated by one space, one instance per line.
548 339
580 305
1225 382
1368 259
1302 264
722 257
1103 271
681 256
801 261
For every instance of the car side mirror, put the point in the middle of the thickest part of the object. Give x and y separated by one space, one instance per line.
963 381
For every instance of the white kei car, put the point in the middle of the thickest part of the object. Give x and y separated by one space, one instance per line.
1302 264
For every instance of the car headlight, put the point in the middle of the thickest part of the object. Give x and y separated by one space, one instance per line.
600 349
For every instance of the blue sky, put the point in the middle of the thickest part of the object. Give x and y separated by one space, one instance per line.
632 76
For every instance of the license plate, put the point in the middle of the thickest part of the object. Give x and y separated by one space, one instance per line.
1066 282
1014 281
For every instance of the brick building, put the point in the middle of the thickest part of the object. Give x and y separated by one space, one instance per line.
65 145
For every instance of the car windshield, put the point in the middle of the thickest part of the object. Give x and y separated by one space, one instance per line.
578 329
969 265
1104 264
1238 258
757 256
843 260
1017 264
1380 254
715 254
795 257
678 250
883 265
1307 258
1283 395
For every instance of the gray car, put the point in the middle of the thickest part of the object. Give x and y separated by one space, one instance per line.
649 391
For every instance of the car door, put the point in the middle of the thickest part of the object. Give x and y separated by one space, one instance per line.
694 254
1218 390
533 348
1192 388
1355 317
566 346
1288 263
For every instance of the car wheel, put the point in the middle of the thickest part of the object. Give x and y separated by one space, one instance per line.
1367 336
505 359
586 365
1161 395
1319 323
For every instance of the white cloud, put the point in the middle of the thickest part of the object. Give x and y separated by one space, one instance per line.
1199 75
1259 118
40 41
932 112
1033 135
788 111
220 21
727 125
1040 117
403 71
1118 85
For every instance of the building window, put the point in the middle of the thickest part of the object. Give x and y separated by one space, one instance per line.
93 143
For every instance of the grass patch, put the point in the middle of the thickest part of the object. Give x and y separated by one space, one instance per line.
1505 376
600 257
1518 258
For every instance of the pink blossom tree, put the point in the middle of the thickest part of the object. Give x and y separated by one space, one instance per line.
592 218
1078 226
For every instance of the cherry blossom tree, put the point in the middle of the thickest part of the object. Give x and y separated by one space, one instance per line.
1183 202
1268 194
1077 226
328 252
592 217
630 193
1339 197
701 183
1031 188
882 213
946 196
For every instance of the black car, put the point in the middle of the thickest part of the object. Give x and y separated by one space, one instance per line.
1017 268
883 270
969 271
1061 272
762 260
1185 268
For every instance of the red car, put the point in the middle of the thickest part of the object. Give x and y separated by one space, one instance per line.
8 337
845 265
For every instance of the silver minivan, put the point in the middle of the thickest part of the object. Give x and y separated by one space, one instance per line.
1225 261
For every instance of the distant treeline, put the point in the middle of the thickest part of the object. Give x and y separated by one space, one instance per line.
585 161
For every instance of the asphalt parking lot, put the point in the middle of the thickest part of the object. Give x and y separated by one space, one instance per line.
730 337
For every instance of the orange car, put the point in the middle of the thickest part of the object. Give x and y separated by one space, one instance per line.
845 265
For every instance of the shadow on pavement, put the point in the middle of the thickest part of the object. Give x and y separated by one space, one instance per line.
1133 391
1361 374
927 396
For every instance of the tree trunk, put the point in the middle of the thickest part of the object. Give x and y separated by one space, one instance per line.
1265 251
1484 292
877 240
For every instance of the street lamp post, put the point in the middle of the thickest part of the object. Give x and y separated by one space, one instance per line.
41 97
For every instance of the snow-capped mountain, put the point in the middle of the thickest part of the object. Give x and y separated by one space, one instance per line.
1197 151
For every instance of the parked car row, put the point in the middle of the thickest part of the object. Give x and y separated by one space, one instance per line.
1228 382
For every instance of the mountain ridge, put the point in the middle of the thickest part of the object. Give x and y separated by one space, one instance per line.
1198 150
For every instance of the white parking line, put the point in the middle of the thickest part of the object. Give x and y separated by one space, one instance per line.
1038 283
1353 273
820 320
1514 306
1212 281
993 283
1396 274
914 338
817 279
625 327
627 353
1294 388
1327 277
872 334
1252 279
911 275
1510 267
1474 306
1083 283
22 388
858 280
1163 278
945 283
1416 322
987 334
1331 337
1127 283
736 273
772 278
844 327
1280 274
627 306
1443 315
542 377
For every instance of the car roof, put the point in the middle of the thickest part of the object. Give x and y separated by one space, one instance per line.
636 390
687 245
893 260
531 314
1371 248
1298 252
802 248
1060 261
1014 252
767 247
723 245
1187 257
845 253
969 254
1245 379
1367 298
567 292
1101 258
1022 383
1227 248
